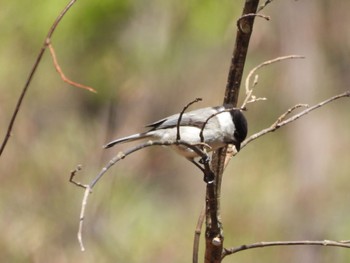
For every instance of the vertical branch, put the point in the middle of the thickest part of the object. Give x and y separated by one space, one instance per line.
214 235
244 31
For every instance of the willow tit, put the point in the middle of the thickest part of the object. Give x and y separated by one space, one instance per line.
223 127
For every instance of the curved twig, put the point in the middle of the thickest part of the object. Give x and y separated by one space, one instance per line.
178 136
248 90
63 76
207 120
120 156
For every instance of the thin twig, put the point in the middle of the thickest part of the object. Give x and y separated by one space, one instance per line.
122 155
264 5
72 175
63 77
248 89
178 136
289 111
82 214
230 251
32 72
197 235
281 121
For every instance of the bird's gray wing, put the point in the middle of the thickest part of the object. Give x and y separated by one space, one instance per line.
194 118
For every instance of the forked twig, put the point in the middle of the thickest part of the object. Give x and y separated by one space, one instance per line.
281 121
32 72
72 175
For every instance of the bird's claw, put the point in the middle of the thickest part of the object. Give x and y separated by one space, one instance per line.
204 160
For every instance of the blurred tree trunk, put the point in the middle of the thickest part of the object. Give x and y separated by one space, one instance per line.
299 32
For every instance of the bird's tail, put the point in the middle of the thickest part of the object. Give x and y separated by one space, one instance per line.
130 138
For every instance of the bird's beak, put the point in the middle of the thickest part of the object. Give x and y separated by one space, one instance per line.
238 146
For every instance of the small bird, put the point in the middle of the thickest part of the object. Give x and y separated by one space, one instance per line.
223 127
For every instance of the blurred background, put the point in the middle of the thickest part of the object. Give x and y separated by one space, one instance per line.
148 59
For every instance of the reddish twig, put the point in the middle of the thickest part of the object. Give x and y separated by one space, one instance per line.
63 77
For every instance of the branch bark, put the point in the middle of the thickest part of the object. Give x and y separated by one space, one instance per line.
214 233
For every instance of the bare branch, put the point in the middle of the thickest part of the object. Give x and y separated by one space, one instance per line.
281 121
122 155
289 111
60 72
233 250
208 174
32 72
248 89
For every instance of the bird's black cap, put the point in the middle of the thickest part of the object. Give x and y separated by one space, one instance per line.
241 127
